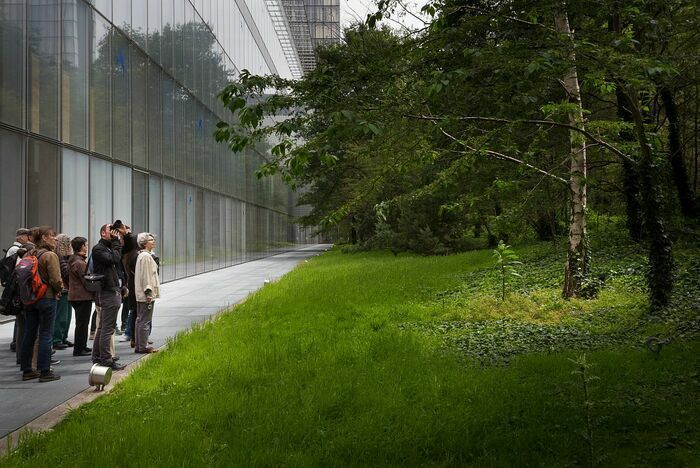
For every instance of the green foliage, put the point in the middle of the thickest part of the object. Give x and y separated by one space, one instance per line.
322 368
505 260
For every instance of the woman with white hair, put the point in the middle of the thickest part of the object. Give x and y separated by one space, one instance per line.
147 290
64 311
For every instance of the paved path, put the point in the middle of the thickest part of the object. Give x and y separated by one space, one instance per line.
184 302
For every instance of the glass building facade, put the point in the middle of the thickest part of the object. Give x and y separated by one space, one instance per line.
107 110
313 23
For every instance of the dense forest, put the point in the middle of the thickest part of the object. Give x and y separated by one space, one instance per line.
512 121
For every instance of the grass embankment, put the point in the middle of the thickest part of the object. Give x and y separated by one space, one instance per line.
371 359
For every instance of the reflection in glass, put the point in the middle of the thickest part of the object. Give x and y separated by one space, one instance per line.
42 184
121 97
100 87
11 184
139 91
154 118
11 63
74 80
43 41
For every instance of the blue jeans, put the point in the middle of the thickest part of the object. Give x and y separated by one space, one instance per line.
39 317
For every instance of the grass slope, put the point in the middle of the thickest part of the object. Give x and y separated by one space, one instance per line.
361 360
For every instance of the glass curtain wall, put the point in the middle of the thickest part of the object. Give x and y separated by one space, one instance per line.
108 110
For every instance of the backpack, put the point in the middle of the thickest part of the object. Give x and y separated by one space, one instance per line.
10 304
7 266
31 286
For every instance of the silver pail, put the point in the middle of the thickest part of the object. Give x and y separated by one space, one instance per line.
99 376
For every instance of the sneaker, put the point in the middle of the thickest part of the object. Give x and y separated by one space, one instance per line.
48 376
125 338
68 344
55 362
29 375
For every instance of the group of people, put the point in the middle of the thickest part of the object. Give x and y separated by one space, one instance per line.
121 272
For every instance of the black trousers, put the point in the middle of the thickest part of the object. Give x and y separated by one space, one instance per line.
82 324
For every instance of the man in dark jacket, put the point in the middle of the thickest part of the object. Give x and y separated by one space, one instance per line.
106 260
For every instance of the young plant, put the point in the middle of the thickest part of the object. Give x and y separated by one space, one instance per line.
505 259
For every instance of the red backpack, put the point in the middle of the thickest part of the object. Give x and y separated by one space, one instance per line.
31 286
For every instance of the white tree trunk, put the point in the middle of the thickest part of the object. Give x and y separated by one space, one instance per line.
577 261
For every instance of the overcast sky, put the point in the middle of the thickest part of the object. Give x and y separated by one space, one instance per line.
352 10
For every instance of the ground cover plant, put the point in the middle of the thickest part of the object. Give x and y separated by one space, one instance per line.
384 360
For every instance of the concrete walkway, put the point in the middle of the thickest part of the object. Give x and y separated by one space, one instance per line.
184 302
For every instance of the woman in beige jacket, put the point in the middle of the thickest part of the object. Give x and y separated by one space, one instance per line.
147 290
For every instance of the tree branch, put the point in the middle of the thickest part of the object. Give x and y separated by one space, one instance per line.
503 157
553 123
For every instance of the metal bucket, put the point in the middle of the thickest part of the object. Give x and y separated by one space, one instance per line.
99 376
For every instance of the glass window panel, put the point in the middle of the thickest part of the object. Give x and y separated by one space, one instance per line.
139 91
181 230
179 39
191 231
154 30
100 87
121 202
75 207
223 240
166 45
43 53
208 252
121 13
168 237
121 98
168 106
155 209
100 197
42 184
11 185
11 62
104 7
154 118
215 232
140 202
74 81
139 26
199 233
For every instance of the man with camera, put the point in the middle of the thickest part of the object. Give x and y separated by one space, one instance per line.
106 261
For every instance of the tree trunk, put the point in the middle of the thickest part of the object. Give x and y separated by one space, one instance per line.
630 177
680 176
660 275
578 255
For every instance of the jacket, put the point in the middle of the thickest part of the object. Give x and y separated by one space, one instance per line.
146 277
106 260
49 271
76 283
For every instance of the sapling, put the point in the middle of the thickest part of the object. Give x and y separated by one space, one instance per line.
505 259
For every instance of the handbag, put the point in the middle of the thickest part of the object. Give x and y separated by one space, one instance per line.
92 282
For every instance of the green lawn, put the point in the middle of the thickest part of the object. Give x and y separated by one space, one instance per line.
371 359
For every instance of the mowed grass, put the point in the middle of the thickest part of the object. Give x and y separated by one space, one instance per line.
320 369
